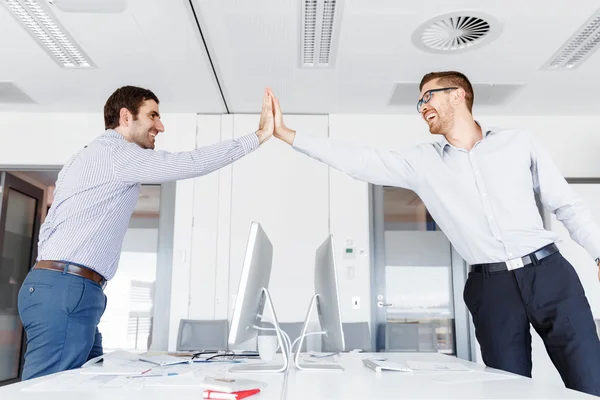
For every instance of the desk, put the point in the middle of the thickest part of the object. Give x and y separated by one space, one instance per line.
356 382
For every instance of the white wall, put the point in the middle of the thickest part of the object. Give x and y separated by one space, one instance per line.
283 190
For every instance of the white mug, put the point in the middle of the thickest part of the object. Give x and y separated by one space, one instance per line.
267 347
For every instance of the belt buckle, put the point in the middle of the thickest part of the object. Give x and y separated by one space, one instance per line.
515 263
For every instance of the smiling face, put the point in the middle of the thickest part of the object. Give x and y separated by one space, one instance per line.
146 125
446 97
436 108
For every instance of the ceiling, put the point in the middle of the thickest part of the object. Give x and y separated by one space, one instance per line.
243 46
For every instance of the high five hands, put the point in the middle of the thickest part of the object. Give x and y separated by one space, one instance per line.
271 120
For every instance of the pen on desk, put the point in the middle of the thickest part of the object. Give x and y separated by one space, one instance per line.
152 375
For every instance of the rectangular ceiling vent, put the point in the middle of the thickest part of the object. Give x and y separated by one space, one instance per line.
485 94
578 48
39 21
320 30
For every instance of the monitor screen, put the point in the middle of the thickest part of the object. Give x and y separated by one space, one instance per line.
256 273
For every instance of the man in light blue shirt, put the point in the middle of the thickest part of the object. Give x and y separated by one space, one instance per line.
479 184
61 300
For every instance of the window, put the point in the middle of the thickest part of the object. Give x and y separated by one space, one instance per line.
127 321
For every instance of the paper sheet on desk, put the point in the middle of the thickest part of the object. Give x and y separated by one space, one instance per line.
436 366
116 363
468 376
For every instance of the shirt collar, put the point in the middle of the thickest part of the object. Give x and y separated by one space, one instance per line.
113 134
486 130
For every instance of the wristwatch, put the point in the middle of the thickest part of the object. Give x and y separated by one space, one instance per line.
598 261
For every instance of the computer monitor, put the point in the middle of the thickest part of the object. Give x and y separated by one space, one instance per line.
252 296
327 300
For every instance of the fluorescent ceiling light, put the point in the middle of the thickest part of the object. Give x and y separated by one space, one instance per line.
578 48
320 29
39 21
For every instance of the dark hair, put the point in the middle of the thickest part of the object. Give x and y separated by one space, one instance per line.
129 97
452 78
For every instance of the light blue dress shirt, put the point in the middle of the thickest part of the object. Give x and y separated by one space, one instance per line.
482 199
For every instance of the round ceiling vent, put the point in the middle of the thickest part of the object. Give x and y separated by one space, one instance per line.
456 32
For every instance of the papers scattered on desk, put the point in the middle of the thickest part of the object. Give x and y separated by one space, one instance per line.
383 364
185 380
115 363
165 359
436 366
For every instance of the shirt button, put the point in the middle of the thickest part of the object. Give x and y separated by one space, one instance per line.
476 172
510 254
490 217
31 290
483 193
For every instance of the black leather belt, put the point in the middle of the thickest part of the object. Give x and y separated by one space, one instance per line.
517 262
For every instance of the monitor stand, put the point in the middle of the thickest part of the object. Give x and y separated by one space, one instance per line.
260 368
311 366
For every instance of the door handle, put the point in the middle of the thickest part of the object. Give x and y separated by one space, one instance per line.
382 304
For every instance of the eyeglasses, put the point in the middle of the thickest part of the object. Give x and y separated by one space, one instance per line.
218 355
427 96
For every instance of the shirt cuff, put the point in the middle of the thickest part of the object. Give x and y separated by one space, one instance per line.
300 141
249 142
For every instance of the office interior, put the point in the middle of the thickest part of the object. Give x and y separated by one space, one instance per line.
400 280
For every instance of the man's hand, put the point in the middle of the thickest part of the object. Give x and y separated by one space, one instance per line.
266 125
281 131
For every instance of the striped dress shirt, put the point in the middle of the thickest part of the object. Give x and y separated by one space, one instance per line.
97 191
483 199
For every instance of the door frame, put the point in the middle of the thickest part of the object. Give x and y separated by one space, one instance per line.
9 181
464 332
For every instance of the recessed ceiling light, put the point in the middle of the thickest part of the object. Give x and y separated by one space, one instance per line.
456 32
578 48
38 20
320 29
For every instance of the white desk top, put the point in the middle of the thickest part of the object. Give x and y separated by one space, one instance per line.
355 382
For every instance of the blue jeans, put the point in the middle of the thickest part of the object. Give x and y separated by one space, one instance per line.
60 313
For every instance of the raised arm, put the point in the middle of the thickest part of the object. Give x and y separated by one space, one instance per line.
133 164
380 167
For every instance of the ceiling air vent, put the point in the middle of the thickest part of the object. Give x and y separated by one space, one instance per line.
320 29
578 48
455 32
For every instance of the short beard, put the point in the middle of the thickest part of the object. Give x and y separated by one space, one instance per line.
445 123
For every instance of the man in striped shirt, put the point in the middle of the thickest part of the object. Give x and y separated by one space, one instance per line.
61 300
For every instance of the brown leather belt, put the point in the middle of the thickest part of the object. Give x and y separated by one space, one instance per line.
71 269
